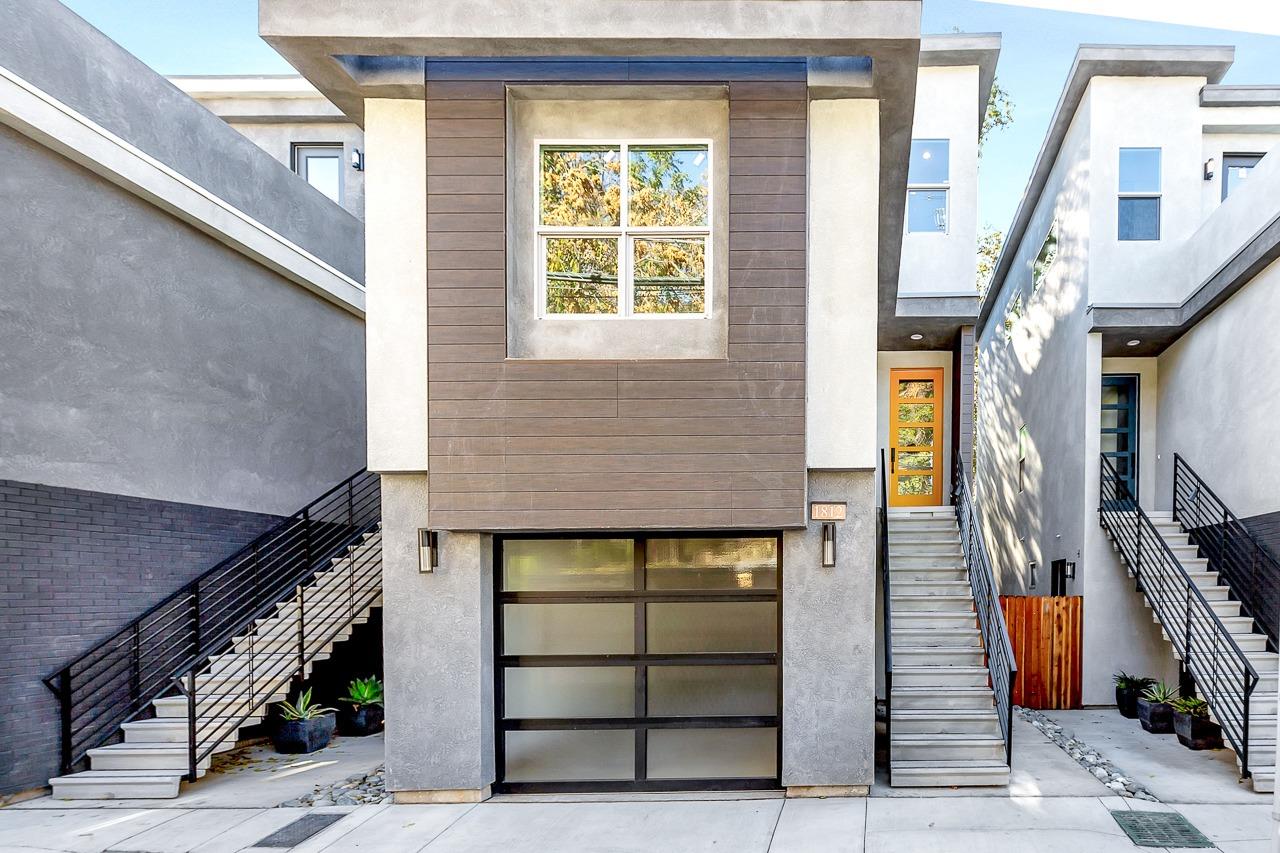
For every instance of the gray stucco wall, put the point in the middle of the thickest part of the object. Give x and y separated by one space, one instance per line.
278 139
141 357
51 47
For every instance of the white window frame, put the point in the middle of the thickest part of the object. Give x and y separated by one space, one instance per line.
300 151
1158 195
944 186
624 234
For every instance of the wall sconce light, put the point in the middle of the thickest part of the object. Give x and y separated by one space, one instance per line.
357 159
428 550
1031 570
1208 169
1071 570
828 544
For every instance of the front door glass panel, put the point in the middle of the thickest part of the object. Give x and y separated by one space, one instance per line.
915 436
1119 439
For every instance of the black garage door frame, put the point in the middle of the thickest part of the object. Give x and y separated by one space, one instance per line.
641 724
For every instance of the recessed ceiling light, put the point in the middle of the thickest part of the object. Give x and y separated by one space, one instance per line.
1133 343
917 337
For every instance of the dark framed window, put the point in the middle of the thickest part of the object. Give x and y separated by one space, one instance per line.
1139 194
1119 440
1235 170
638 662
320 164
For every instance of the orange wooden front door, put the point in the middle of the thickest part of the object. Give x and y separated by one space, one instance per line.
915 436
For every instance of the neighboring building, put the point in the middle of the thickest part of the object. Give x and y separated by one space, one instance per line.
604 399
182 360
1131 321
288 118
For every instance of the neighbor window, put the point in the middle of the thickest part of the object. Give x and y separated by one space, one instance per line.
320 164
624 247
1139 210
1235 169
928 182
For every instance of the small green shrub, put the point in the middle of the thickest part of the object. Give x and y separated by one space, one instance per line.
304 709
1125 681
1193 706
1160 693
364 691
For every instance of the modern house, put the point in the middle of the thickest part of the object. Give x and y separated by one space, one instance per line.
182 364
1124 419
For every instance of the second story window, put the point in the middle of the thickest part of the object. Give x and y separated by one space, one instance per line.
1139 205
1235 170
624 247
320 164
928 186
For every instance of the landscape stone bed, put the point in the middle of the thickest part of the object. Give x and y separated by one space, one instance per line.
1088 757
358 790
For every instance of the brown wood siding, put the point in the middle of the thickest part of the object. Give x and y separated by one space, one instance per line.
535 445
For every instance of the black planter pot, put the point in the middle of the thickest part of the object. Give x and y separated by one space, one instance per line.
1156 717
302 736
1127 701
1197 732
367 720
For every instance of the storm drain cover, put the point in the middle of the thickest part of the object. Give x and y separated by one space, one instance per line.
300 830
1160 829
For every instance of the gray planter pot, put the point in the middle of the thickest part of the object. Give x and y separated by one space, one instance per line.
1197 732
1156 717
303 736
360 723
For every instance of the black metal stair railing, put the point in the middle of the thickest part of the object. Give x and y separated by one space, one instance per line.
882 558
986 601
1244 563
1209 654
118 678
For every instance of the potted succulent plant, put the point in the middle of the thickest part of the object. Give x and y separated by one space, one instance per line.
1128 689
304 726
364 695
1155 709
1192 725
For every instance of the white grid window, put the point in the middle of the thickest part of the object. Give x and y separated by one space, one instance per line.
624 246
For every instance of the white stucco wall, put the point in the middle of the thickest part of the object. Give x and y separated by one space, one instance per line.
840 386
946 263
396 277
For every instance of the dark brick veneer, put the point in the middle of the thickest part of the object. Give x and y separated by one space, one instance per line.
74 566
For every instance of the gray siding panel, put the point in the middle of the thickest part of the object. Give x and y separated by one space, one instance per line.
599 445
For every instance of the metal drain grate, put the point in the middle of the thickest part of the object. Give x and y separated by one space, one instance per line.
300 830
1160 829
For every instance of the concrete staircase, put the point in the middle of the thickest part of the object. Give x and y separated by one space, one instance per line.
152 760
1263 702
944 728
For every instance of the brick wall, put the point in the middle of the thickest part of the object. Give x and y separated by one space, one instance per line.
74 566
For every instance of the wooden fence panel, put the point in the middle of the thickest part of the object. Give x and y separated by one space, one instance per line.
1046 632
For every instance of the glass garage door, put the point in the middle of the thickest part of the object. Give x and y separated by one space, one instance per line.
638 663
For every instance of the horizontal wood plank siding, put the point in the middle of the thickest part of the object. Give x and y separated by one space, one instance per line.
529 445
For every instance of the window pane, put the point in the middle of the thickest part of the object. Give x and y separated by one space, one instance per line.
713 753
581 186
711 563
711 691
926 211
538 692
915 437
1139 219
669 276
915 389
1236 168
569 756
568 629
567 564
582 275
915 484
1139 170
929 161
1115 418
669 185
323 170
915 413
712 626
916 460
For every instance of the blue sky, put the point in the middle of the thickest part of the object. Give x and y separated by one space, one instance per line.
221 37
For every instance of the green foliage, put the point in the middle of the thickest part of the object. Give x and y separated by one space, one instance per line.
364 691
999 113
1160 693
990 242
1193 706
1048 254
1125 681
304 709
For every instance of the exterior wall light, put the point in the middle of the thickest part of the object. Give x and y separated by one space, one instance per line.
828 544
357 159
1208 169
428 550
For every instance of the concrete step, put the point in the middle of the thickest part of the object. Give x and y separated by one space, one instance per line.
955 721
172 729
938 656
225 705
941 534
928 574
909 602
946 747
939 676
939 699
921 513
950 550
1263 779
905 586
906 528
260 661
910 619
116 785
942 637
946 774
143 756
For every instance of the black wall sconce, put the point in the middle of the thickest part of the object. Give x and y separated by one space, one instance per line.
428 550
1209 169
357 159
828 544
